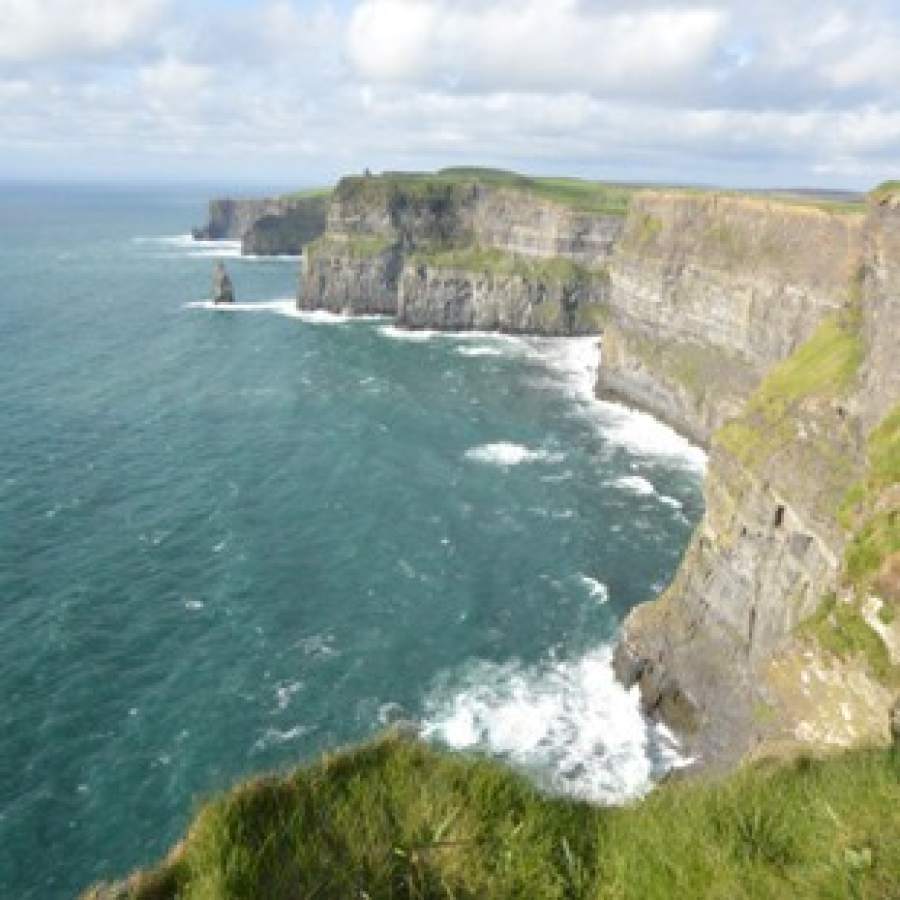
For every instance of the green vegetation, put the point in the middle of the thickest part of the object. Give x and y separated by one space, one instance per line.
499 262
356 246
885 190
396 819
309 194
874 528
824 367
586 196
839 628
804 199
648 229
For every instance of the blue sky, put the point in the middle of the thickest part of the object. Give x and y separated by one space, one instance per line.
290 92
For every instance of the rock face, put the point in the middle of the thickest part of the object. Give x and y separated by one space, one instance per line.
745 652
709 290
461 254
223 291
271 225
458 298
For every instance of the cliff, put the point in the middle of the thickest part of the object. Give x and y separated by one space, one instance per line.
709 290
765 328
270 225
468 249
779 629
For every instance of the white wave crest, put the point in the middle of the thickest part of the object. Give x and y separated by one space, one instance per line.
287 308
641 434
569 723
634 484
576 362
187 244
272 737
505 453
479 350
597 590
406 334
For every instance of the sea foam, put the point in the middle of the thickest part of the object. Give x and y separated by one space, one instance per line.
635 484
570 724
505 453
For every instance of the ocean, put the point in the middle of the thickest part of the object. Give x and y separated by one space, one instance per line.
232 539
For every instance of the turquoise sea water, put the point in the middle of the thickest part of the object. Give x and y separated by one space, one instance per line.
230 539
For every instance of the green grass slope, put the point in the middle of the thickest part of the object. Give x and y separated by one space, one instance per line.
397 819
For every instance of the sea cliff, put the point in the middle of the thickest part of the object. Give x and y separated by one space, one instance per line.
779 630
762 327
467 249
268 225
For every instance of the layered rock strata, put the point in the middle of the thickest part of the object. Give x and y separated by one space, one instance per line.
461 254
266 226
709 290
770 636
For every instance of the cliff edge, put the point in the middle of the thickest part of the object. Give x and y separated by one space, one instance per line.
267 226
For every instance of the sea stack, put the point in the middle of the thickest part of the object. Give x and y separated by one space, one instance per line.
223 292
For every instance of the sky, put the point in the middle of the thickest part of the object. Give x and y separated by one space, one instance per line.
771 93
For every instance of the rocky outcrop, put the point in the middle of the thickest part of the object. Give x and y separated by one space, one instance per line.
515 298
270 225
461 254
223 290
358 276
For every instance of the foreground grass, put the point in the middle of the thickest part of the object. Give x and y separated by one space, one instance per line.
397 819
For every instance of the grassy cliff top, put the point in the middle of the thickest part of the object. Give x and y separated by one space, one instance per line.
397 819
586 196
319 193
887 190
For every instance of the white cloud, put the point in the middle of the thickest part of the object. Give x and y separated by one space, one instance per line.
690 90
173 83
41 29
531 44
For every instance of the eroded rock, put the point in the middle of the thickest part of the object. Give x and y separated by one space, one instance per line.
223 290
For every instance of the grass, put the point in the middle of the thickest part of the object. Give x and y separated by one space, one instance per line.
825 366
397 819
579 194
839 628
490 260
885 190
874 536
357 247
309 194
873 524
